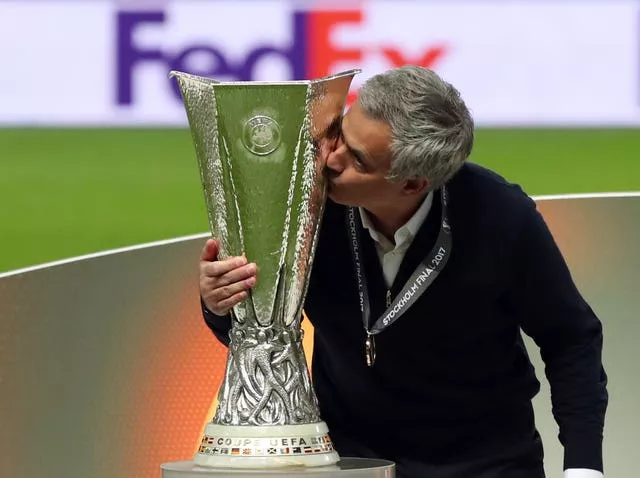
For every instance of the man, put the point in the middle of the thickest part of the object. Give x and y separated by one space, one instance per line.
453 263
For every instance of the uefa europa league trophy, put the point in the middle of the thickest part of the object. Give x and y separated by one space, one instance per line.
261 149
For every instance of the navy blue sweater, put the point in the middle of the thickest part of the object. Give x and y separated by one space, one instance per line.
452 379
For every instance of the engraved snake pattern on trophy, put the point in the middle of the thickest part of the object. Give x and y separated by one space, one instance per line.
270 389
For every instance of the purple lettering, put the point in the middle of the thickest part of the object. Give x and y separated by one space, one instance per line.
294 54
198 59
218 66
128 55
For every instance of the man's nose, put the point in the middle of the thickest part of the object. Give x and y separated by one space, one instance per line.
335 160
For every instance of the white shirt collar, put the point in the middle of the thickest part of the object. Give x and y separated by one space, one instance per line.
405 234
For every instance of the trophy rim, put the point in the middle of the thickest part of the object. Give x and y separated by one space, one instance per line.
218 83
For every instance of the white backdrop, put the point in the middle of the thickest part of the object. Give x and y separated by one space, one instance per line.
516 62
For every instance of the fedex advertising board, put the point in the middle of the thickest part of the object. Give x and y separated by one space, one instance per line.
524 63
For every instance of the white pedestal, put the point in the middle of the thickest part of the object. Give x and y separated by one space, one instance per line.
346 468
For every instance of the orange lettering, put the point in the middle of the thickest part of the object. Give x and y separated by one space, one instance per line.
322 52
428 59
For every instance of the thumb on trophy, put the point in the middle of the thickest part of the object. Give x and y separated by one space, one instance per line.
210 250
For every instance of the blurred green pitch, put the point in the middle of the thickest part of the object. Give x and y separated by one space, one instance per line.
68 192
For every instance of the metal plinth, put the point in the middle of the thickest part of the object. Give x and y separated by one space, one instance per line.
346 467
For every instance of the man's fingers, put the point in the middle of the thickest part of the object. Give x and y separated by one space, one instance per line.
219 268
234 275
226 305
210 250
223 293
236 266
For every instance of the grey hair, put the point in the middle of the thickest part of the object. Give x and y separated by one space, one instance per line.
431 128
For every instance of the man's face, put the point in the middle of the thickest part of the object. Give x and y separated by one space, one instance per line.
357 167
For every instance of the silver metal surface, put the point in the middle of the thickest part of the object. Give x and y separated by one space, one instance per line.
347 468
261 149
266 380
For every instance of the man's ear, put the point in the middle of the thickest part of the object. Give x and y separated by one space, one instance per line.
416 186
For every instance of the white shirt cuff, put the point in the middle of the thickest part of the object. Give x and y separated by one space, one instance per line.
582 473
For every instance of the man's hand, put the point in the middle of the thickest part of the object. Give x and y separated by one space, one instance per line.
224 283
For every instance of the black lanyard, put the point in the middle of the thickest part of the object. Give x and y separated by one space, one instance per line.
420 280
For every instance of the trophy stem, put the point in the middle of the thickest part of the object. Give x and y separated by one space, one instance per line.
266 380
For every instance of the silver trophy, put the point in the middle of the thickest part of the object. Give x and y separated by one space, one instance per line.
261 149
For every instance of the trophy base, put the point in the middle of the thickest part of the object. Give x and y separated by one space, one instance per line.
351 467
230 446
